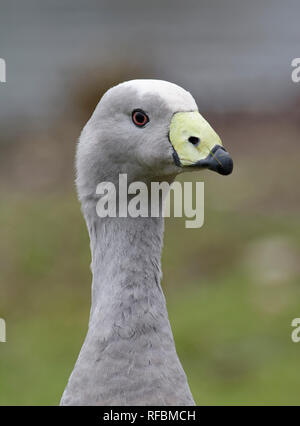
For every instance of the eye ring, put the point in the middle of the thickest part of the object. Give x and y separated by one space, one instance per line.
139 118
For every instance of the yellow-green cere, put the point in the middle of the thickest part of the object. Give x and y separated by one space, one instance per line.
186 124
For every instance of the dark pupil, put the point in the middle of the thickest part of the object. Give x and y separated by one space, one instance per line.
140 118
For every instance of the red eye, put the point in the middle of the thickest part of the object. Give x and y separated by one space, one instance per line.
140 118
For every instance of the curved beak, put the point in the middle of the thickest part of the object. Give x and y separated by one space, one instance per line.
217 160
197 145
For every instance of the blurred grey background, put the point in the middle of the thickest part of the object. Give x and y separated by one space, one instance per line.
243 49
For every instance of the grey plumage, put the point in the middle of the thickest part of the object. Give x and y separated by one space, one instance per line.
129 355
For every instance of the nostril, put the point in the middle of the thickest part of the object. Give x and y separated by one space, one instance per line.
194 140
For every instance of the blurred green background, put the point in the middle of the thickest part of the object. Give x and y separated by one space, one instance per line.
232 287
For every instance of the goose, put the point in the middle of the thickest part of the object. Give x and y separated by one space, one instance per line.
150 130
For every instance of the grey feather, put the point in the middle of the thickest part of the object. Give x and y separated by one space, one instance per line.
129 355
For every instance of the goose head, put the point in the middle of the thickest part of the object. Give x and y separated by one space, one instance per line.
146 129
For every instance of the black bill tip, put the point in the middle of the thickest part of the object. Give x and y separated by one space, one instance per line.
218 160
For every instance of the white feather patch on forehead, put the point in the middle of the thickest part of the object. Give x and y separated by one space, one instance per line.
175 96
